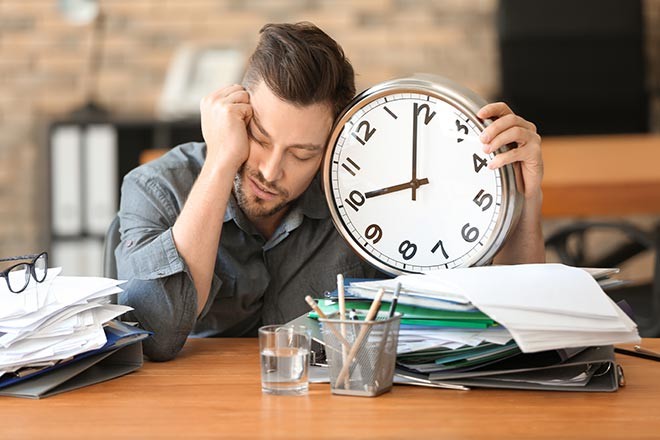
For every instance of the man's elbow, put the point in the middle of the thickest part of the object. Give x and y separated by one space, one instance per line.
163 346
168 316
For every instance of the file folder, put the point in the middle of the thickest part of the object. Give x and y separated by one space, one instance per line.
606 378
90 370
121 355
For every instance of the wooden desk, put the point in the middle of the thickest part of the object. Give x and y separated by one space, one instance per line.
213 389
611 175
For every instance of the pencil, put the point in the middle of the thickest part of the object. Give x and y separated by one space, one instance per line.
322 315
636 353
373 310
342 315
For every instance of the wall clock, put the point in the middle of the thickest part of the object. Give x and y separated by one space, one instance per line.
407 182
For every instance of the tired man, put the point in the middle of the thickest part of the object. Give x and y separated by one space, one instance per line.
221 237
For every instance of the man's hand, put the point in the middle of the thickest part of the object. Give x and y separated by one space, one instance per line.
507 128
525 244
225 114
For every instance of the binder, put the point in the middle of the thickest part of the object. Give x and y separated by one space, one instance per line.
66 179
100 156
121 355
90 370
607 374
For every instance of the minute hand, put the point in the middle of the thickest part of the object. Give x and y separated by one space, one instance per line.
414 152
390 189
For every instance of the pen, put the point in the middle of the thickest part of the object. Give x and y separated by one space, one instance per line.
639 352
322 315
395 299
646 351
340 292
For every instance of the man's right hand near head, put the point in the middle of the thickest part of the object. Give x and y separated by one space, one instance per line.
225 114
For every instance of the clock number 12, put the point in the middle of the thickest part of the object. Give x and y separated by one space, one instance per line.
368 132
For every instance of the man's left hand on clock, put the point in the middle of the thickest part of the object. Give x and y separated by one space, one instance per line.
507 127
525 244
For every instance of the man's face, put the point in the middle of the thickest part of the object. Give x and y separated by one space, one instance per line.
286 148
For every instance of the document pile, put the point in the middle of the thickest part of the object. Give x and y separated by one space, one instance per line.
54 324
541 326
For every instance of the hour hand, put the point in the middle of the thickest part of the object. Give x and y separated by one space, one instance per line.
390 189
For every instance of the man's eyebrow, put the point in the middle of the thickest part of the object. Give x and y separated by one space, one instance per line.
308 147
259 126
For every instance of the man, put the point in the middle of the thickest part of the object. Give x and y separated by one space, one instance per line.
218 238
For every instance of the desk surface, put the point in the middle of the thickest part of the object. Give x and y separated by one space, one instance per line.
610 175
213 388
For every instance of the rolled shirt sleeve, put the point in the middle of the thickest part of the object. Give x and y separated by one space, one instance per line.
160 287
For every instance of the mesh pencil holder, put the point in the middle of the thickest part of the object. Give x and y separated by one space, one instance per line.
361 355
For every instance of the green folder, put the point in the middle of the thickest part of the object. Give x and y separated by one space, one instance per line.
416 315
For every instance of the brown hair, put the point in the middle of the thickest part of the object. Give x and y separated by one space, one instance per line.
301 64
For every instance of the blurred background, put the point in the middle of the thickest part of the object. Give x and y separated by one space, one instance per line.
90 89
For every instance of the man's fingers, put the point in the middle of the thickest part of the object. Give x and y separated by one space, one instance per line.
494 110
502 124
245 110
519 135
506 158
237 97
222 92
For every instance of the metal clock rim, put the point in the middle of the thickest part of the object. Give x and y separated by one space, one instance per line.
468 103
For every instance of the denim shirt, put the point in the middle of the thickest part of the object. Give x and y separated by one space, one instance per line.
256 281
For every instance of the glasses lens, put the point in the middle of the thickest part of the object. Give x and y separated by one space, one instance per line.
41 267
19 277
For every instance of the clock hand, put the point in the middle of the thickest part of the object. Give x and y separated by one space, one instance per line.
414 184
414 153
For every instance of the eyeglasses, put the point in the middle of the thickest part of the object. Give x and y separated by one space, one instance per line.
18 275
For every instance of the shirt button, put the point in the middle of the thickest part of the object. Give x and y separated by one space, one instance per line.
129 243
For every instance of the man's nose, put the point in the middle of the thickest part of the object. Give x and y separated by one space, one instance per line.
271 165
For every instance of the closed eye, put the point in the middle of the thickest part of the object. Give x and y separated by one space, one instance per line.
254 138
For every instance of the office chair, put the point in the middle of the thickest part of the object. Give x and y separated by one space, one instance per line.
112 239
579 68
644 299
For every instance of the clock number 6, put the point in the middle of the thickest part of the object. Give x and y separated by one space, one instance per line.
480 198
407 249
470 234
374 232
368 132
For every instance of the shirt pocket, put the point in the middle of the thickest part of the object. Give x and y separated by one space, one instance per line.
228 286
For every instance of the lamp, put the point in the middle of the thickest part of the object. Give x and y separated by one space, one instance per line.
82 13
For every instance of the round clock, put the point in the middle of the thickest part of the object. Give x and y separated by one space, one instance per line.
407 181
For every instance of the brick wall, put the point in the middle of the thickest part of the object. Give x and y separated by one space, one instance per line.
43 61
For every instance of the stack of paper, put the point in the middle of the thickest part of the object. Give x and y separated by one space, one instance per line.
525 326
53 321
542 306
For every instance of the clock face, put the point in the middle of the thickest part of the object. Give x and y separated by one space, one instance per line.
409 186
